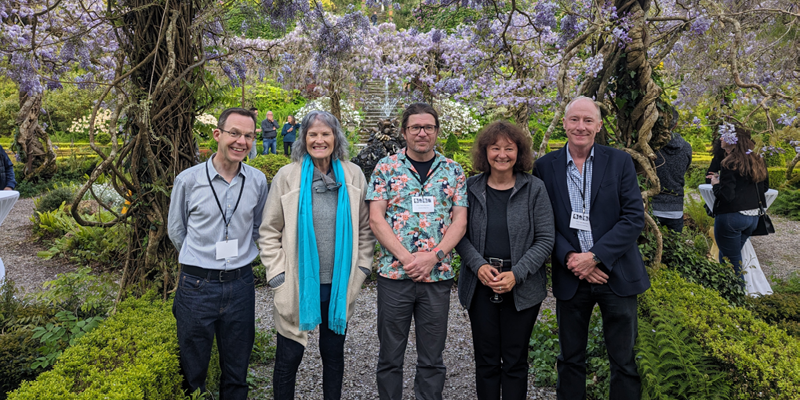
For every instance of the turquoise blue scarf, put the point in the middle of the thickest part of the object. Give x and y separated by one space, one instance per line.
310 314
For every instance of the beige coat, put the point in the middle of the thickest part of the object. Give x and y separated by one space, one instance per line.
278 243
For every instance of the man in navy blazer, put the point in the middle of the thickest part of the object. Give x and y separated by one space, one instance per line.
599 216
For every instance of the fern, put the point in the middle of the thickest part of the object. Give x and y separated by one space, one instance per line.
672 364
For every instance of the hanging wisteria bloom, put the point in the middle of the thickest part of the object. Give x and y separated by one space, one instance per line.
786 120
727 133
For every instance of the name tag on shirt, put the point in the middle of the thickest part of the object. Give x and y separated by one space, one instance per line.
227 249
422 204
580 221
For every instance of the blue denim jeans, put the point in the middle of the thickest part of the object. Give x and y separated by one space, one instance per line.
731 230
271 146
205 308
620 326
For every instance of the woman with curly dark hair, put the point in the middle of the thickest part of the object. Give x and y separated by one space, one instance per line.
510 234
739 189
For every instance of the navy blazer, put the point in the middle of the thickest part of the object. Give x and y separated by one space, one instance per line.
616 214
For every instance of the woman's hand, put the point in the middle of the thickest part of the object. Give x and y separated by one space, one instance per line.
714 177
503 283
487 273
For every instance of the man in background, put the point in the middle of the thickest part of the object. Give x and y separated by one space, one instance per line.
7 181
269 134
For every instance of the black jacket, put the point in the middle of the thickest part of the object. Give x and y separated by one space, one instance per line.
735 192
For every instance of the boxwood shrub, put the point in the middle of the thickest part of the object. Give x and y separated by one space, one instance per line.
133 355
761 358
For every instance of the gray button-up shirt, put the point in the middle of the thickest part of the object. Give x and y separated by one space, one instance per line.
195 223
575 187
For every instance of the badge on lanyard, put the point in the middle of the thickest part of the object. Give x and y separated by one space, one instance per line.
580 221
422 204
227 249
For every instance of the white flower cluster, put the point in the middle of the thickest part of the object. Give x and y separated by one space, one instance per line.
206 119
101 123
351 118
455 118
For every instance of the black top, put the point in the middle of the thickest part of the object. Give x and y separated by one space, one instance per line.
498 243
735 192
422 167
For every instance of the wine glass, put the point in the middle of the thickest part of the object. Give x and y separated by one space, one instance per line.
496 299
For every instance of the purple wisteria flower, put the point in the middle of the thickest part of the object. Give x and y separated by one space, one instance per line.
701 24
786 120
727 133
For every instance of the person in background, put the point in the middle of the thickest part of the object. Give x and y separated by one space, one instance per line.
671 162
269 134
599 215
254 150
374 18
7 180
214 216
289 133
418 211
739 188
510 234
317 248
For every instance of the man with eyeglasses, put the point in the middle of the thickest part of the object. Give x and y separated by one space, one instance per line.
418 212
214 215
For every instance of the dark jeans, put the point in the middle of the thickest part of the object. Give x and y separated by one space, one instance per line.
429 304
271 146
619 332
206 308
289 353
731 231
500 335
675 224
287 148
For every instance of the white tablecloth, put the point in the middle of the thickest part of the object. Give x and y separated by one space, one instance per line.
7 200
756 283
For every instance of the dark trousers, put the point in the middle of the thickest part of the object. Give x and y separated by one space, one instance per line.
731 231
289 353
206 308
620 326
429 304
287 148
675 224
500 336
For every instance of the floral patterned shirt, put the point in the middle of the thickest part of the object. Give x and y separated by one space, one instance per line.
396 180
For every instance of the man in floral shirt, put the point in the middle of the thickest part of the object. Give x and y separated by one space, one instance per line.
418 212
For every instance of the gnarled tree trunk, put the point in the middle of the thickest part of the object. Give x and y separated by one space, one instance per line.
35 147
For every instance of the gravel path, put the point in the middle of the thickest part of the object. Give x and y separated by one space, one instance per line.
18 249
361 353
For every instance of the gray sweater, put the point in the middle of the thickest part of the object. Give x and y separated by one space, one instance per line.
532 235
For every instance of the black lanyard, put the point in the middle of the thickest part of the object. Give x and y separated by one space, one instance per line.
225 220
583 192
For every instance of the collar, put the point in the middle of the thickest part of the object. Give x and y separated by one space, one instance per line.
437 157
213 171
569 156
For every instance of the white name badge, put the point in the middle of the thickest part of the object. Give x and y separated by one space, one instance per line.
227 249
580 221
422 204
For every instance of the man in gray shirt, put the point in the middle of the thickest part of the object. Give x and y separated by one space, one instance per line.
269 134
214 216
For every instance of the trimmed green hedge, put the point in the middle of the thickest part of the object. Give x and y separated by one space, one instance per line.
133 355
761 358
777 176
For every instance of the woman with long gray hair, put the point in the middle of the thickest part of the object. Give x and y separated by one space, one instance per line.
317 247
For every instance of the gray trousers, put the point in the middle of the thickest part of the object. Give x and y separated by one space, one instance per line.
429 304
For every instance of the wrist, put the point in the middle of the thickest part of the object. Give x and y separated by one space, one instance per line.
438 253
594 258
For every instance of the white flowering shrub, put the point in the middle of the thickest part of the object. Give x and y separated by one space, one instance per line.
351 118
102 128
204 124
455 118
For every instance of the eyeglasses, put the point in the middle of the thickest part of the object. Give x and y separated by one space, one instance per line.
416 128
236 135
